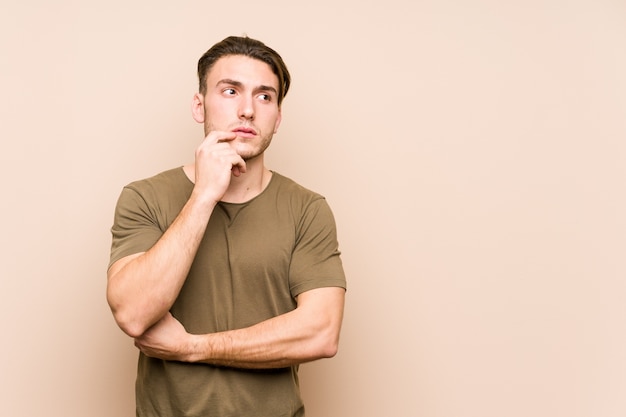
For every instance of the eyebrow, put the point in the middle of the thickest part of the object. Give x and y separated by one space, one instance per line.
236 83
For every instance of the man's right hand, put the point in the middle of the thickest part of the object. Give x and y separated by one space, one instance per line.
216 162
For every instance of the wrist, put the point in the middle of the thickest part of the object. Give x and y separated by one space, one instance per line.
196 349
202 200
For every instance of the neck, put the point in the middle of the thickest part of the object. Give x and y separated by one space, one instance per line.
248 185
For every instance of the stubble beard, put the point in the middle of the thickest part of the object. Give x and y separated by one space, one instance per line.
246 154
254 153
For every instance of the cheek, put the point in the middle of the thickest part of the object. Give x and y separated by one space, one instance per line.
216 117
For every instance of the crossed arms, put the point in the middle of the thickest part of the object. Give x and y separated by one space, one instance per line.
143 287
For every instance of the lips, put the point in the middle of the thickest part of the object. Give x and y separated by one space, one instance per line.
244 131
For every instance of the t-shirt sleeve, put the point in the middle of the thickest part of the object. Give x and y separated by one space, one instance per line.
135 227
316 260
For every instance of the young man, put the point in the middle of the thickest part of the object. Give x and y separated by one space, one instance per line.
226 274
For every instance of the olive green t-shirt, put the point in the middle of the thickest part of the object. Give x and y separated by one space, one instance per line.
254 259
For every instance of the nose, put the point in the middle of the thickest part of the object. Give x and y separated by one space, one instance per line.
246 109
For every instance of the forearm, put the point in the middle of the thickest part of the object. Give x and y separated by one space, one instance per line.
142 289
276 343
309 332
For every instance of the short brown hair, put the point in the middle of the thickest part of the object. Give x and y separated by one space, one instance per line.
236 45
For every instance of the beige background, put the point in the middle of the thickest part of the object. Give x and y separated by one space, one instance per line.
473 153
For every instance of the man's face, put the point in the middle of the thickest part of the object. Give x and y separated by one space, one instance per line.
241 97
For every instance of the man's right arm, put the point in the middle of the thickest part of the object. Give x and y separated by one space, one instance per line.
141 288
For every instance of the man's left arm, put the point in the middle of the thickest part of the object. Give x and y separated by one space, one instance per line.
309 332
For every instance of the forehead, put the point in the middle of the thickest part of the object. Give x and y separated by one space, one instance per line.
243 69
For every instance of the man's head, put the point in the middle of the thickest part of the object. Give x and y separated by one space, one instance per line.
242 85
235 45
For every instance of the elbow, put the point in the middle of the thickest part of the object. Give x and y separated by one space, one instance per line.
329 349
126 316
132 328
328 352
127 321
325 338
327 345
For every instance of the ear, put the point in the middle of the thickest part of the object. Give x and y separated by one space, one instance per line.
197 108
278 120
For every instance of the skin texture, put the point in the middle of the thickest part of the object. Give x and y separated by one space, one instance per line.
240 114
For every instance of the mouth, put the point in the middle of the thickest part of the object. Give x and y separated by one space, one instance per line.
244 132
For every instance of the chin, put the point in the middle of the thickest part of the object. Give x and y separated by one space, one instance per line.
247 154
251 152
250 157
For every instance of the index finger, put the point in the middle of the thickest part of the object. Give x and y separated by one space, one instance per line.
217 136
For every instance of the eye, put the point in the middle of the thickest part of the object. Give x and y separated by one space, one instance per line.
265 97
229 91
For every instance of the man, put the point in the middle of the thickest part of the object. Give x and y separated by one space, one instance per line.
227 274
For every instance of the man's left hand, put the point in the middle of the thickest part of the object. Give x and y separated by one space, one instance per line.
167 340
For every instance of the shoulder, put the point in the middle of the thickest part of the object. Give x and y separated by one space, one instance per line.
167 190
301 202
287 187
172 178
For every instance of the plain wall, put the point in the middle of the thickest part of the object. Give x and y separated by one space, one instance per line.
473 153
